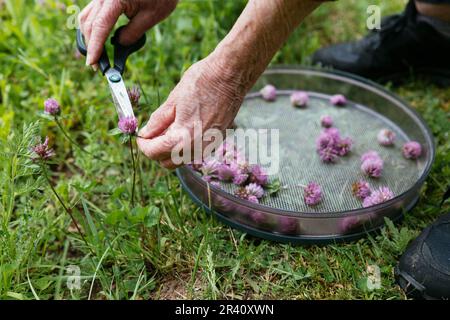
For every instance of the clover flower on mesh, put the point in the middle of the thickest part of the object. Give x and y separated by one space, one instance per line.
343 146
328 154
52 107
324 140
240 178
325 145
338 100
258 175
227 172
268 93
299 99
378 196
326 121
252 198
372 167
42 151
250 193
209 167
254 189
312 194
241 193
128 125
372 164
243 165
330 145
412 150
386 137
228 165
361 189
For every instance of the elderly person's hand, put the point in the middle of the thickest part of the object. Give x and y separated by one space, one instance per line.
99 17
208 96
211 91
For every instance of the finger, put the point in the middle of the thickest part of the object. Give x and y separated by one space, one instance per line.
82 17
101 27
144 20
136 27
159 121
168 164
159 148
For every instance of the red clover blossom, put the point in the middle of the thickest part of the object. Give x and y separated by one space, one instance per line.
42 151
128 125
338 100
330 145
386 137
299 99
52 107
254 189
381 195
269 93
372 164
258 175
361 189
313 194
326 121
412 150
372 167
370 155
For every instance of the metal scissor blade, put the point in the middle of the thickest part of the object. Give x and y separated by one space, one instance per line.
119 93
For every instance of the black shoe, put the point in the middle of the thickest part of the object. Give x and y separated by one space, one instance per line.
403 44
424 269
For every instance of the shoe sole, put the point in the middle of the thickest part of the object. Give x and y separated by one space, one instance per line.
411 287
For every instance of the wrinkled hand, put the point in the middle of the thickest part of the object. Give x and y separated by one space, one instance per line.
99 17
206 95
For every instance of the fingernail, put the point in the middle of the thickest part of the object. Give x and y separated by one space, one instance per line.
95 67
88 60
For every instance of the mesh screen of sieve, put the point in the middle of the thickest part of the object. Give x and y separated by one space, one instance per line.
300 163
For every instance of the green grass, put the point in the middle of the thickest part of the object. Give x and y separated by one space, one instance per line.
167 247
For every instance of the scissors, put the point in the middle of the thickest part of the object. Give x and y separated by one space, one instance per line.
114 74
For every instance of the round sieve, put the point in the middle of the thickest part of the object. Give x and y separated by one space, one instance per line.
339 216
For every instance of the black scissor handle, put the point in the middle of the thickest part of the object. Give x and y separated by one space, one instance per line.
103 62
80 43
122 52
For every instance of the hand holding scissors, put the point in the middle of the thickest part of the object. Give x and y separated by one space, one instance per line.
114 73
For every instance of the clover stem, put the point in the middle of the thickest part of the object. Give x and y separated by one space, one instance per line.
134 171
66 209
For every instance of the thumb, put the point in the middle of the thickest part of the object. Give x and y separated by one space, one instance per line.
159 121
